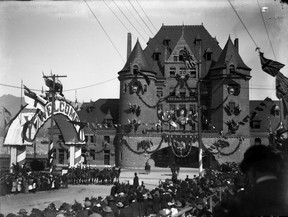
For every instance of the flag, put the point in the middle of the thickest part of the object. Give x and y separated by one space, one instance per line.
281 85
285 108
81 124
270 66
188 60
37 99
7 117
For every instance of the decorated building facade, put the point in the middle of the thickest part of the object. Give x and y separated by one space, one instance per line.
181 78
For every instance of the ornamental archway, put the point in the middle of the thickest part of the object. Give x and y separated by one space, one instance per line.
23 128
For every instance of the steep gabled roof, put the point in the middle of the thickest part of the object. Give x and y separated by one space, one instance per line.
137 56
230 54
173 33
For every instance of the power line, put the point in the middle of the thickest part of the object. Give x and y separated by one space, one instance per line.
128 19
140 17
104 31
243 23
135 19
146 15
266 30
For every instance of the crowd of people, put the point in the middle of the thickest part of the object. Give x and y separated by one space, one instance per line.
260 192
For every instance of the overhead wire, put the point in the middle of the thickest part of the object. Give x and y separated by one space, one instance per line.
146 15
243 23
128 20
104 31
139 24
266 30
140 16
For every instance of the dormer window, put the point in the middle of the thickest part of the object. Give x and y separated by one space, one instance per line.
208 54
232 68
166 41
135 69
275 110
156 54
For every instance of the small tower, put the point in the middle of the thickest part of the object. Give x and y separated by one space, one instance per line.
137 87
230 92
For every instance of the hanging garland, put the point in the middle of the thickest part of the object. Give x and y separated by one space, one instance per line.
181 147
124 141
221 144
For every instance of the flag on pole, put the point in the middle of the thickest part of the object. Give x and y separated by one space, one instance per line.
188 60
270 66
285 107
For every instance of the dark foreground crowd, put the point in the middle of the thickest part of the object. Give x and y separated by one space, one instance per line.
257 189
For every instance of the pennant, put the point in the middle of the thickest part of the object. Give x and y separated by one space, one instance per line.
270 66
7 116
81 124
37 99
188 60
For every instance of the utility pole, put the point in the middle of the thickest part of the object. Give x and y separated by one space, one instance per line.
52 92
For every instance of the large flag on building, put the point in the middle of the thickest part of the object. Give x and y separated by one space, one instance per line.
188 60
270 66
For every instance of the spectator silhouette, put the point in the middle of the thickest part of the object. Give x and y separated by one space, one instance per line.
135 181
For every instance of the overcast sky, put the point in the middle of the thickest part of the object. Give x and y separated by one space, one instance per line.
65 37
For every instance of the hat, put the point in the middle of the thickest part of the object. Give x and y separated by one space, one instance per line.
164 212
258 155
21 211
107 209
178 203
121 194
95 215
87 203
120 204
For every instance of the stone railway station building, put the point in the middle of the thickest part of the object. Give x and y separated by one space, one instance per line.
157 115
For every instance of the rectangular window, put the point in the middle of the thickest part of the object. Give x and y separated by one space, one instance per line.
192 107
92 154
182 92
255 124
92 139
61 156
192 73
145 87
175 58
172 71
86 138
107 139
159 91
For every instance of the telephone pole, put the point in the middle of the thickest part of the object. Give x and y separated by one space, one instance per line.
52 92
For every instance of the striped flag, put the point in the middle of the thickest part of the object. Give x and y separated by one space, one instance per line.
188 60
270 66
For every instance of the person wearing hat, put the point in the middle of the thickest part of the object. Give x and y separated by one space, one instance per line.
267 195
22 213
108 212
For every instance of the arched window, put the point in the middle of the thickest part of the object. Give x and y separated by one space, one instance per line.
135 69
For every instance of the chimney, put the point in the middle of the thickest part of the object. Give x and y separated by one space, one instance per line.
129 44
236 44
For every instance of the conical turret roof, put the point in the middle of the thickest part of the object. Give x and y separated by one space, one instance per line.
230 55
137 57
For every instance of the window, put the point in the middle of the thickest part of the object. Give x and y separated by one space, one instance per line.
172 71
175 58
231 106
86 138
208 56
193 73
145 87
92 139
182 92
232 68
257 141
192 108
107 139
61 156
156 56
135 69
181 55
159 91
255 124
92 154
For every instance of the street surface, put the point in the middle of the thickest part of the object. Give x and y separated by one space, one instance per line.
40 200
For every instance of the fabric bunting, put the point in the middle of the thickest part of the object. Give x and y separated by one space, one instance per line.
188 60
270 66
